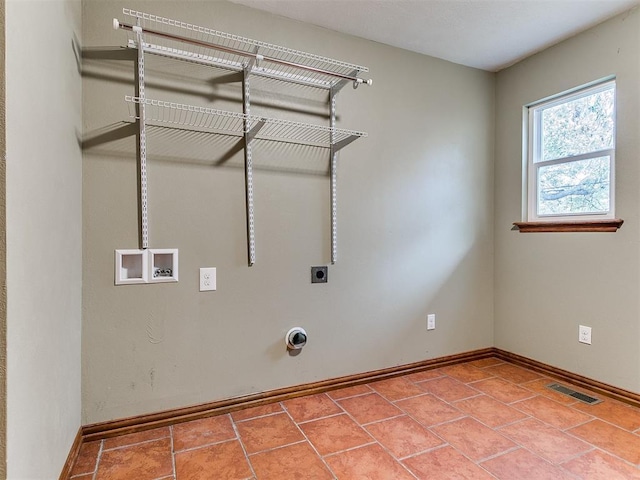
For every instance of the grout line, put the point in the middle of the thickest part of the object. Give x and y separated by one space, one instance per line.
533 395
99 457
351 396
249 455
319 418
578 455
416 382
499 454
244 450
577 425
401 414
173 452
350 449
606 452
120 447
452 401
257 416
514 423
603 420
198 447
427 450
446 422
528 417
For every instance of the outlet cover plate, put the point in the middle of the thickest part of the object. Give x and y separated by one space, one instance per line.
584 334
208 279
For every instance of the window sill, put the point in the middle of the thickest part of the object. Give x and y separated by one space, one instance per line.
584 226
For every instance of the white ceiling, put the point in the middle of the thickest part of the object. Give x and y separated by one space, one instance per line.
486 34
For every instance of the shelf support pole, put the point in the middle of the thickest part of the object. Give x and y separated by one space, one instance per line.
142 154
249 133
335 148
334 177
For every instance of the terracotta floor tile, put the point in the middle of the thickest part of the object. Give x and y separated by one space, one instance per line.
613 439
448 389
551 412
403 436
349 392
294 462
144 461
220 461
396 388
513 373
429 410
599 465
308 408
369 408
486 362
254 412
548 442
540 387
502 390
367 463
511 466
445 464
134 438
87 458
467 373
202 432
473 439
334 434
489 411
269 432
625 416
426 375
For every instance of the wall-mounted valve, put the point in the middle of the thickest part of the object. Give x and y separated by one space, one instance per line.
296 338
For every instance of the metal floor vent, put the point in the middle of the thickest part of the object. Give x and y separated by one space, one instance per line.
572 393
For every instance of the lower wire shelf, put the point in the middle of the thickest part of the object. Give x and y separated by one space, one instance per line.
238 124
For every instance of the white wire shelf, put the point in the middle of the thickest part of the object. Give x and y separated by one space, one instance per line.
237 124
212 47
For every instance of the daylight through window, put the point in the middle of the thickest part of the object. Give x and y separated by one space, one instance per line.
571 156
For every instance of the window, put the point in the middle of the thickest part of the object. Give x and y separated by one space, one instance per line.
571 156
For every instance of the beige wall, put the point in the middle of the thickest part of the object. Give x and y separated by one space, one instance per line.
415 224
44 274
548 284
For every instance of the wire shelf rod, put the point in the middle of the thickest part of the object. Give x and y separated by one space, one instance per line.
234 51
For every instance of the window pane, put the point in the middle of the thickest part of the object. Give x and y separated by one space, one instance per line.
574 187
579 126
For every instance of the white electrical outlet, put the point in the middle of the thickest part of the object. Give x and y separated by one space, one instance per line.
584 334
207 279
431 321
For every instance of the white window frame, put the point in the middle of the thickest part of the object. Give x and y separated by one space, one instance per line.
533 145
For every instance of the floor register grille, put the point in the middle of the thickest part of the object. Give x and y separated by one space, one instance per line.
572 393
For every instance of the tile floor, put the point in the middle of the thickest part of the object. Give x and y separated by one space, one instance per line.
479 420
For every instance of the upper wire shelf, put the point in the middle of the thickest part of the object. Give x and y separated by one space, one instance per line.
234 52
238 124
